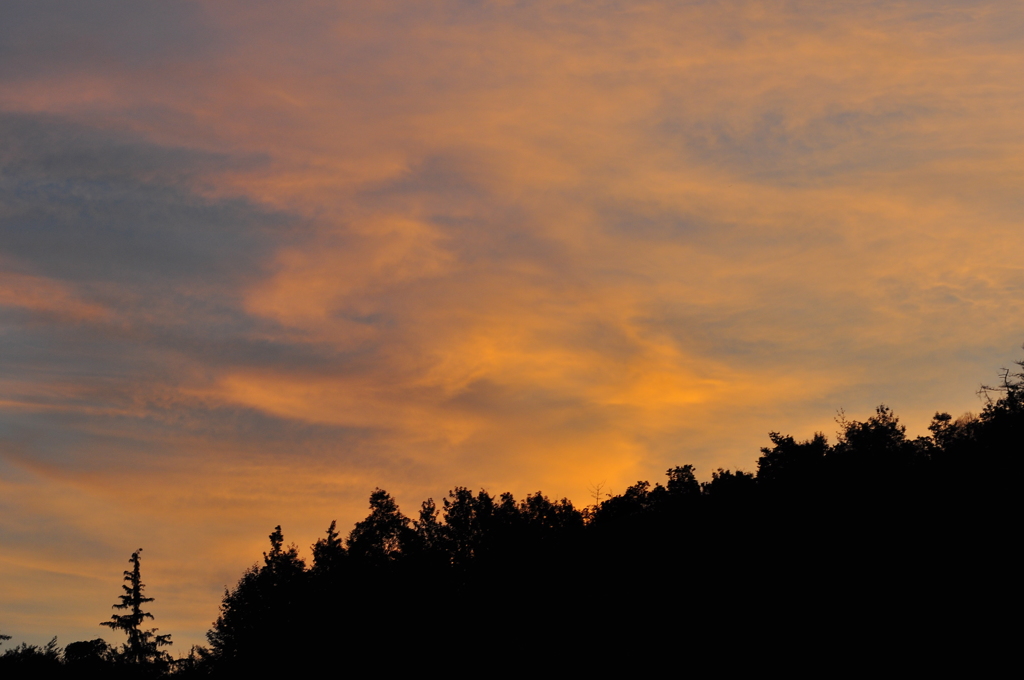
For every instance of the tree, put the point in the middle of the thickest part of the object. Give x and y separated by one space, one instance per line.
467 520
875 455
378 539
88 655
265 611
792 464
283 565
27 660
431 537
729 484
329 553
682 482
143 646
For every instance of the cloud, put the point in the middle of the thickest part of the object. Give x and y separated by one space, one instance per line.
88 205
257 262
38 294
49 37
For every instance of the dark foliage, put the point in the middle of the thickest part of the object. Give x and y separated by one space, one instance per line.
874 547
264 611
31 660
831 534
89 656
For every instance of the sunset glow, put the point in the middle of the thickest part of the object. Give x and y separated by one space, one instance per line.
257 259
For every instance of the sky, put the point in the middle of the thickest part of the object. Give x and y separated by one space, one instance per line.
260 258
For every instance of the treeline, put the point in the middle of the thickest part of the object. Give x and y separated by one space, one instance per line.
877 537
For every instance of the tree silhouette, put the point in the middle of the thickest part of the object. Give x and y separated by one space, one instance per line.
378 539
143 646
264 611
868 529
283 563
682 482
790 463
329 553
31 661
88 655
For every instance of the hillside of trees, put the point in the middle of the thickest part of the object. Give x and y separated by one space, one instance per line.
872 542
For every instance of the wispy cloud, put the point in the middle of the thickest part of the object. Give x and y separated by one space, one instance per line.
255 262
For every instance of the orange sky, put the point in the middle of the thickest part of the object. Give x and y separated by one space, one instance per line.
257 259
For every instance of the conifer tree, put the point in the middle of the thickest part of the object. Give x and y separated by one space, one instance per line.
143 646
329 553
